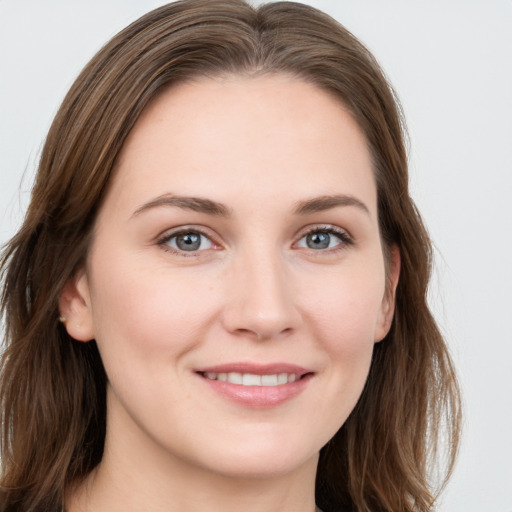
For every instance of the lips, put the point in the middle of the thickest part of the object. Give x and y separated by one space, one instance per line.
256 386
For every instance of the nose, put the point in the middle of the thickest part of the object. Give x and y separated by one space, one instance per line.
261 300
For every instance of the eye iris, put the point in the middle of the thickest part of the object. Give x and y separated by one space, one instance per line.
318 240
188 241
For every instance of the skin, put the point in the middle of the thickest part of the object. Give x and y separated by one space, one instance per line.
254 291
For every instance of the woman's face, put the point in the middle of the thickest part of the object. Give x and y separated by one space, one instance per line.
236 283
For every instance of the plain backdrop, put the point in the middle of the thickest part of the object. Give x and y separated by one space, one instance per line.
451 64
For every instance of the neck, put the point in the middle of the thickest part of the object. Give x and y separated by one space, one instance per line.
137 474
115 489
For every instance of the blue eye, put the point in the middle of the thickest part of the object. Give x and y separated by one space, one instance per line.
188 241
320 239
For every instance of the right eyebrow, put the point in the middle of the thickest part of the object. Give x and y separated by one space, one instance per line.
322 203
196 204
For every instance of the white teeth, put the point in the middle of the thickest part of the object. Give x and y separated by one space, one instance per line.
235 378
282 378
251 379
269 380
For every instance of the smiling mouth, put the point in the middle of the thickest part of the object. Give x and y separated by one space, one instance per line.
254 385
252 379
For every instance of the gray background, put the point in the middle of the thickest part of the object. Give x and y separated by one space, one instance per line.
451 63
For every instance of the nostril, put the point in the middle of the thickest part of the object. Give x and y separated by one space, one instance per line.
261 316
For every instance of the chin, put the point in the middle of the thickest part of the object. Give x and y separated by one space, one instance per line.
275 465
266 456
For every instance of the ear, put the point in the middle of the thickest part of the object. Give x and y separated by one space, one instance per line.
75 308
388 301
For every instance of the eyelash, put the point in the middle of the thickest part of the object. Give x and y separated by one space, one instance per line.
164 240
345 239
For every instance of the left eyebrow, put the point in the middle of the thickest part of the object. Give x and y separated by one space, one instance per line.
197 204
322 203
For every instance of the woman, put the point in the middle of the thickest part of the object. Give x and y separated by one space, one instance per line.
218 297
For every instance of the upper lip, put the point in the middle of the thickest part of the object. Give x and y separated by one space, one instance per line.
254 368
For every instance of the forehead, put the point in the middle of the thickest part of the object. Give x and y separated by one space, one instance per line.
257 136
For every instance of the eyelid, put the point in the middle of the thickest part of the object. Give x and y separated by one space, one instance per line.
345 237
163 239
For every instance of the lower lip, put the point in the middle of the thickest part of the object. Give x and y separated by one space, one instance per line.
258 397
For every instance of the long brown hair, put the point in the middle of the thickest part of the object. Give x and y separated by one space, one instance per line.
53 389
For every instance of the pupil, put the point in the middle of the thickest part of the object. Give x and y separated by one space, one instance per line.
318 240
189 241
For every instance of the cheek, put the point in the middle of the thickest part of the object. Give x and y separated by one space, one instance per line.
344 315
140 312
347 308
344 319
